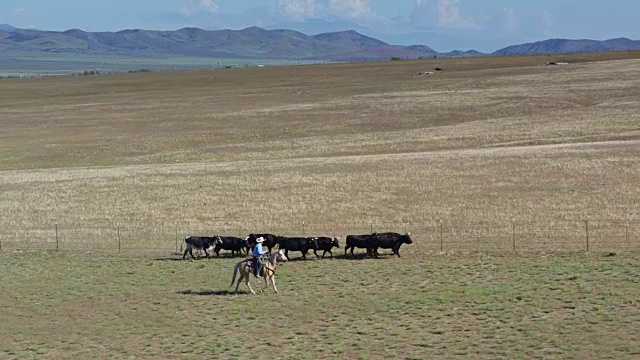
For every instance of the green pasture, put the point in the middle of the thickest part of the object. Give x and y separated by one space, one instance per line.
421 306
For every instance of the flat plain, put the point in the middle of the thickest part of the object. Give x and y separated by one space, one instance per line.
484 156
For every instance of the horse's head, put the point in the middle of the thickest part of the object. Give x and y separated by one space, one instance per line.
280 256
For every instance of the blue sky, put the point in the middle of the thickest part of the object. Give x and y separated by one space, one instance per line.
442 24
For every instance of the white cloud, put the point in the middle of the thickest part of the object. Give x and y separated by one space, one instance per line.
440 13
309 9
18 10
199 6
509 21
547 23
298 9
350 8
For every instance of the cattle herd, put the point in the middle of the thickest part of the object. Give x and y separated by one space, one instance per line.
239 246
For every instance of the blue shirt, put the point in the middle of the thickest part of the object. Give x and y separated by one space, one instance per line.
257 251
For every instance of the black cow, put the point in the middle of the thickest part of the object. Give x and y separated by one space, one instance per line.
270 241
326 244
235 244
356 241
301 244
198 242
388 240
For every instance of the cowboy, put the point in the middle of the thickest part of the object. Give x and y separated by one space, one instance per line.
257 256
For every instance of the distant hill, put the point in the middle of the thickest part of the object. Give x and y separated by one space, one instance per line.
556 46
258 43
253 42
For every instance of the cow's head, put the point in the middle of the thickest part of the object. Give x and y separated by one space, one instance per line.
217 241
335 242
406 238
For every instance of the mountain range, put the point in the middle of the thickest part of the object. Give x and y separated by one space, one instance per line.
259 43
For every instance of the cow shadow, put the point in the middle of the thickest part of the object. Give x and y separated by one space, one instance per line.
229 256
300 258
179 258
355 256
207 293
167 258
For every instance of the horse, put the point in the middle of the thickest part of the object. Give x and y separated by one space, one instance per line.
269 271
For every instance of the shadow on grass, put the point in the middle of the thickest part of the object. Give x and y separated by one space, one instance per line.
208 293
357 256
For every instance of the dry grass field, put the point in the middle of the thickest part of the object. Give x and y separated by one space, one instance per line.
503 150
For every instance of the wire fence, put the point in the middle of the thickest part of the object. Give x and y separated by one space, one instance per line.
437 235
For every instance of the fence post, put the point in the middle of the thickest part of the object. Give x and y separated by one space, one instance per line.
118 238
371 224
57 243
586 230
303 234
441 237
626 235
177 239
513 234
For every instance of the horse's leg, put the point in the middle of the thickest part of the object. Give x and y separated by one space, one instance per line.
242 270
249 285
273 281
266 283
239 280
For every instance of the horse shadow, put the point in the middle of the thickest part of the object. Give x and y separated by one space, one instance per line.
207 293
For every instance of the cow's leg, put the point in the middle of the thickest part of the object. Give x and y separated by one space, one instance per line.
286 253
206 253
345 251
304 254
191 253
185 254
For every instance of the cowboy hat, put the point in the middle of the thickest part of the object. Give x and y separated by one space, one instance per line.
260 239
